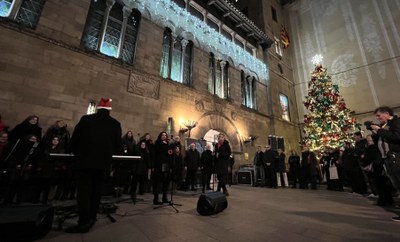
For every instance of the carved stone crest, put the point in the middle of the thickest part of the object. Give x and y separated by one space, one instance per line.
199 105
234 115
218 106
144 86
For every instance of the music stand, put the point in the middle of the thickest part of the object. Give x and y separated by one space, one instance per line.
65 212
128 162
171 203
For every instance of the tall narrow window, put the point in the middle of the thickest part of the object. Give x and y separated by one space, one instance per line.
25 12
111 28
248 87
278 47
218 83
273 13
177 56
5 7
285 107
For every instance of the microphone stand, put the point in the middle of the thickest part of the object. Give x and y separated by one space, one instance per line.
171 203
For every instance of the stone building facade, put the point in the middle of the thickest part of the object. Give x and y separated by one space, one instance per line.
45 71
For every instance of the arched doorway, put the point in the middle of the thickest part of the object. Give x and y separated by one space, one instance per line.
212 123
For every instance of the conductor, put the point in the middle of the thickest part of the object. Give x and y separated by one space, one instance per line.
95 139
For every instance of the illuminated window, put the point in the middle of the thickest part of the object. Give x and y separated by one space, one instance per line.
112 30
278 48
285 107
176 61
218 80
5 7
248 87
25 12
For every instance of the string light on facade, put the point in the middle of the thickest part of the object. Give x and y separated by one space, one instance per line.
167 13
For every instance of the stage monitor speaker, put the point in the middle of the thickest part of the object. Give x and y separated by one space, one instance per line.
25 223
245 177
211 203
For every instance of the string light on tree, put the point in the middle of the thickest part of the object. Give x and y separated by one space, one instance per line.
328 123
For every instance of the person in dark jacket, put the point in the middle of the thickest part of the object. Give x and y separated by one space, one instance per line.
259 169
281 175
309 171
161 167
96 138
371 163
269 158
294 167
122 171
60 130
30 126
206 165
388 141
46 171
222 154
177 167
140 171
352 169
192 165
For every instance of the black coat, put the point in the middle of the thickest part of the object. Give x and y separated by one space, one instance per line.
177 168
62 133
294 162
162 156
280 163
258 159
142 166
129 147
95 139
392 135
269 157
192 159
222 154
24 129
309 162
207 160
372 155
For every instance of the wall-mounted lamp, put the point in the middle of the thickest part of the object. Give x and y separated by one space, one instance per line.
189 124
92 107
249 139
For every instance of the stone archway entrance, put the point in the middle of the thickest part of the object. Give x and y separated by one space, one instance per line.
221 124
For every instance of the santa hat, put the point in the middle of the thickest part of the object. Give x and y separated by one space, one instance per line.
104 103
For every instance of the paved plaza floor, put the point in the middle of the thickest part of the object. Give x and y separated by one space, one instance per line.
253 214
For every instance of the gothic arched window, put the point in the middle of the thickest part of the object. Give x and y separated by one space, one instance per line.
218 81
112 29
177 58
25 12
249 92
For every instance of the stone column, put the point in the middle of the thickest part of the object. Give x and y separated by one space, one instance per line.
110 4
222 63
126 13
171 53
215 75
250 83
183 56
15 9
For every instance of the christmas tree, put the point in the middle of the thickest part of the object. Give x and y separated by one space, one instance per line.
328 123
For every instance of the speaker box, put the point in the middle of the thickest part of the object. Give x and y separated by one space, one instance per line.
245 177
25 223
211 203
